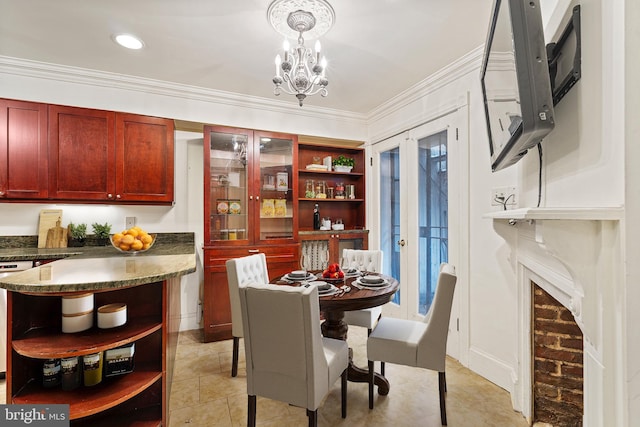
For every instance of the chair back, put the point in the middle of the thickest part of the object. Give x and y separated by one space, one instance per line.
283 344
365 260
240 271
432 348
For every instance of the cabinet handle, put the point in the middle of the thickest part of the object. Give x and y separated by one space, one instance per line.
401 242
332 236
109 196
337 236
257 197
117 196
254 251
250 197
1 193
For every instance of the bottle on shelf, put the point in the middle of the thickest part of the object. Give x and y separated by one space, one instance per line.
316 217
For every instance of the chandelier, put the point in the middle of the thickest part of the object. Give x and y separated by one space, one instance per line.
302 71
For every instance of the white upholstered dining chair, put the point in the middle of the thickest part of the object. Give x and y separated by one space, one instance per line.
422 344
287 357
363 260
249 269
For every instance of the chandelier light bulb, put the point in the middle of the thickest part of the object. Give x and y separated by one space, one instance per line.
318 46
324 65
278 62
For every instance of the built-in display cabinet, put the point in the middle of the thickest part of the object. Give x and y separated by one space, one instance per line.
250 206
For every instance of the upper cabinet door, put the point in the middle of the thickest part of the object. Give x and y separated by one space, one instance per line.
229 204
23 150
275 187
144 158
82 153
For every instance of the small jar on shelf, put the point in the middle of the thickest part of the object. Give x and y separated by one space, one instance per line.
321 190
310 192
340 190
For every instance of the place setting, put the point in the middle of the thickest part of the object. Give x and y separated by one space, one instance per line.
370 282
298 276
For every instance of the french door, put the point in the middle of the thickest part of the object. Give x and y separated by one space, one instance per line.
418 180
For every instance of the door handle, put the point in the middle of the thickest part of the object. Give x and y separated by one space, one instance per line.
401 242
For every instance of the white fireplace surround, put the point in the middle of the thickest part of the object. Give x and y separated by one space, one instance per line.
574 254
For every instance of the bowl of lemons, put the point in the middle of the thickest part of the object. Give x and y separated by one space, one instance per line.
132 241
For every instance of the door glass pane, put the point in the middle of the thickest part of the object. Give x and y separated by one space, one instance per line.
432 214
390 213
276 195
228 174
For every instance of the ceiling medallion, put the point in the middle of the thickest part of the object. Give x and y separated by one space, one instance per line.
302 72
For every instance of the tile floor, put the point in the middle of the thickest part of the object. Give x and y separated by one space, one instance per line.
204 394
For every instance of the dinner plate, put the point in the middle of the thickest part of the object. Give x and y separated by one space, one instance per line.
310 276
372 280
352 273
359 283
324 288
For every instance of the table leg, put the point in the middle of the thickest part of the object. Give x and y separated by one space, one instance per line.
334 327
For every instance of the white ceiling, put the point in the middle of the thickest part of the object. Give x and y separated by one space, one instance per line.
376 49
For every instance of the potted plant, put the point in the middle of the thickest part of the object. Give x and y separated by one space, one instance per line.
343 163
76 234
102 232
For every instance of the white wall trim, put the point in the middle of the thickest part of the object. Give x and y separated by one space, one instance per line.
497 371
76 75
449 74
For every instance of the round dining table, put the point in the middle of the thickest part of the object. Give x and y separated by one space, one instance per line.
333 307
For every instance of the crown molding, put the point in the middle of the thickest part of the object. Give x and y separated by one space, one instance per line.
83 76
449 74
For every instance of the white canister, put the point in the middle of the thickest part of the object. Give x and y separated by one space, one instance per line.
77 322
80 303
112 315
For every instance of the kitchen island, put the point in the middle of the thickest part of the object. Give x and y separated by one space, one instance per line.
148 283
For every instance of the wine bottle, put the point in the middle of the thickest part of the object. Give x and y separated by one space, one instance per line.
316 217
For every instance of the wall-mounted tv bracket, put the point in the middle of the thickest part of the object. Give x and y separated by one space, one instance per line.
555 53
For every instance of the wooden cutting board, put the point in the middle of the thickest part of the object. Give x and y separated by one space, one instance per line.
48 219
56 237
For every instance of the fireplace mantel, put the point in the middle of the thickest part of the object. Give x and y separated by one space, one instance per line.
573 214
575 255
578 239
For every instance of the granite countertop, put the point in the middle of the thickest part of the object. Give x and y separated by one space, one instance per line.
97 268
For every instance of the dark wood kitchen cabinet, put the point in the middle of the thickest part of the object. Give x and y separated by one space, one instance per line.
106 156
82 156
23 150
144 158
250 206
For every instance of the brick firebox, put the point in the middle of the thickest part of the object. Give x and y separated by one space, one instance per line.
558 356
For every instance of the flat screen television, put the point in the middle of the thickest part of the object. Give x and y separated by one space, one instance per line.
516 87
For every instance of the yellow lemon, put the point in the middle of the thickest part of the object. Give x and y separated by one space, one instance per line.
136 245
128 239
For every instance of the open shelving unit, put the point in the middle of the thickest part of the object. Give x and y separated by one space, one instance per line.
134 399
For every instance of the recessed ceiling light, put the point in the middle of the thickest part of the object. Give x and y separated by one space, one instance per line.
128 41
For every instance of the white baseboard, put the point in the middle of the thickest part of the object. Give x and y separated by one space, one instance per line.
497 371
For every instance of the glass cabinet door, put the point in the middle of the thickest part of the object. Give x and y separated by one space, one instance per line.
229 160
275 186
